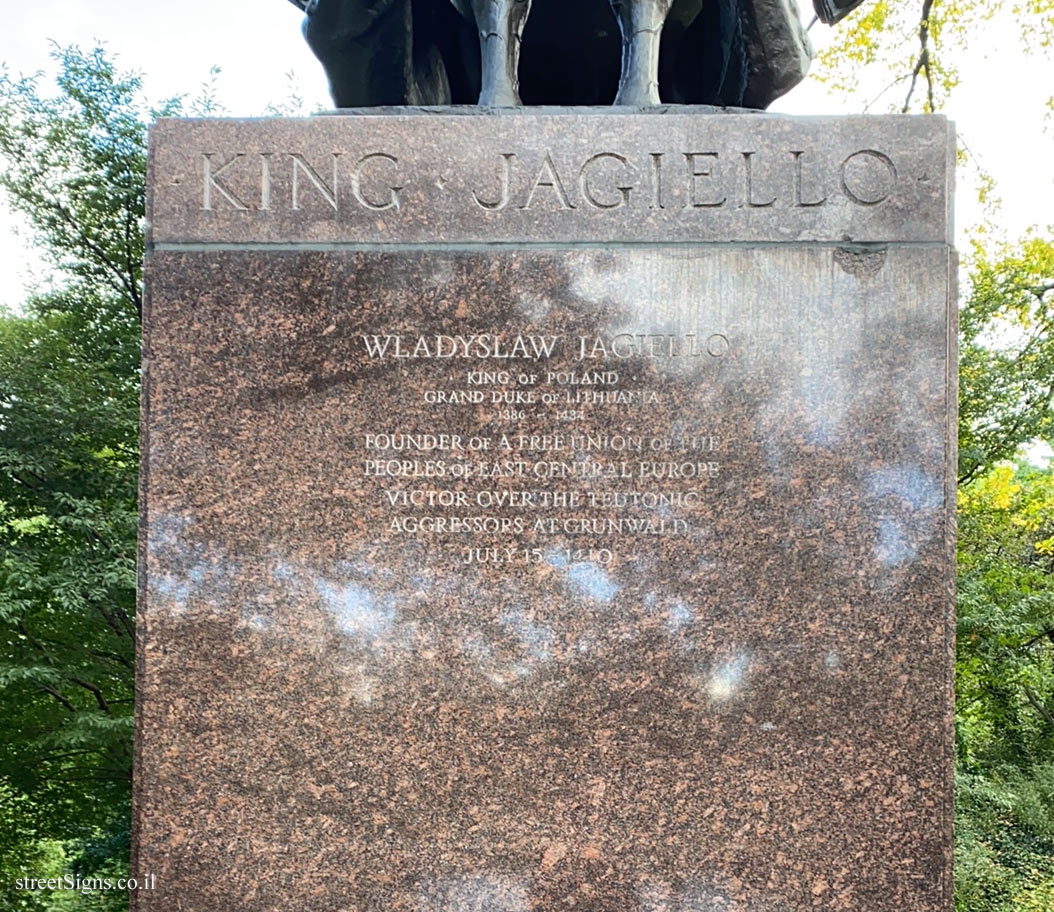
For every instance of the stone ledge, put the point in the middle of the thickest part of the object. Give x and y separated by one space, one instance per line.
533 175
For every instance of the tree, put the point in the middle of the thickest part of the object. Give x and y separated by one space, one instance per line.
913 48
1005 684
1006 357
69 378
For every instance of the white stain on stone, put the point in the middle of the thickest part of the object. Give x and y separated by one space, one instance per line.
696 895
908 482
556 558
187 571
826 401
503 664
905 500
536 639
361 686
679 617
591 581
703 896
893 546
358 613
282 572
256 622
476 648
172 591
533 306
475 893
596 279
726 679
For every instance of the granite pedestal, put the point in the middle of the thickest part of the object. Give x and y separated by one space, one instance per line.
548 512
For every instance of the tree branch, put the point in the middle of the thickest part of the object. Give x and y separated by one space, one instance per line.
1043 635
121 629
113 657
120 282
118 778
1002 445
922 65
1037 706
59 697
94 691
49 758
130 263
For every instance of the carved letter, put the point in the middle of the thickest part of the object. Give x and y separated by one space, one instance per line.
300 164
507 158
798 201
548 170
868 177
212 182
265 181
656 179
356 184
694 172
748 164
587 191
717 346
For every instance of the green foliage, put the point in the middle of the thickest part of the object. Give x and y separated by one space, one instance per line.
905 41
22 852
1037 23
1005 656
1005 689
293 104
27 855
1006 357
69 378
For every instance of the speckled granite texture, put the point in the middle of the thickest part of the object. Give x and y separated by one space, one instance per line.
654 615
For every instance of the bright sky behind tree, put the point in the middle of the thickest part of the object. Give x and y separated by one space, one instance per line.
999 109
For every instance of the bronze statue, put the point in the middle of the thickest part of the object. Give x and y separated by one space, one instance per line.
500 26
738 53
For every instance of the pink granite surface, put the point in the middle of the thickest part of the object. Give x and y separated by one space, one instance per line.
520 668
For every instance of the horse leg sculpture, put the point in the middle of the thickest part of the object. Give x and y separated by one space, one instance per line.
640 22
500 24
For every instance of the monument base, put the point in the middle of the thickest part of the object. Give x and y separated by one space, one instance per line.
548 513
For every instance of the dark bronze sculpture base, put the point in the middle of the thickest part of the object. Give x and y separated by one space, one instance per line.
738 53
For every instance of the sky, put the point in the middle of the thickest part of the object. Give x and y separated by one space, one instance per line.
256 43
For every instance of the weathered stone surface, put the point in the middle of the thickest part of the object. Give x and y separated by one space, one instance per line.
679 638
437 178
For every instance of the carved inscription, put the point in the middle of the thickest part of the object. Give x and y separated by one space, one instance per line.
604 180
554 467
262 188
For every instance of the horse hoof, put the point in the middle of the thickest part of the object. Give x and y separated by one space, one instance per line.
637 96
500 99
